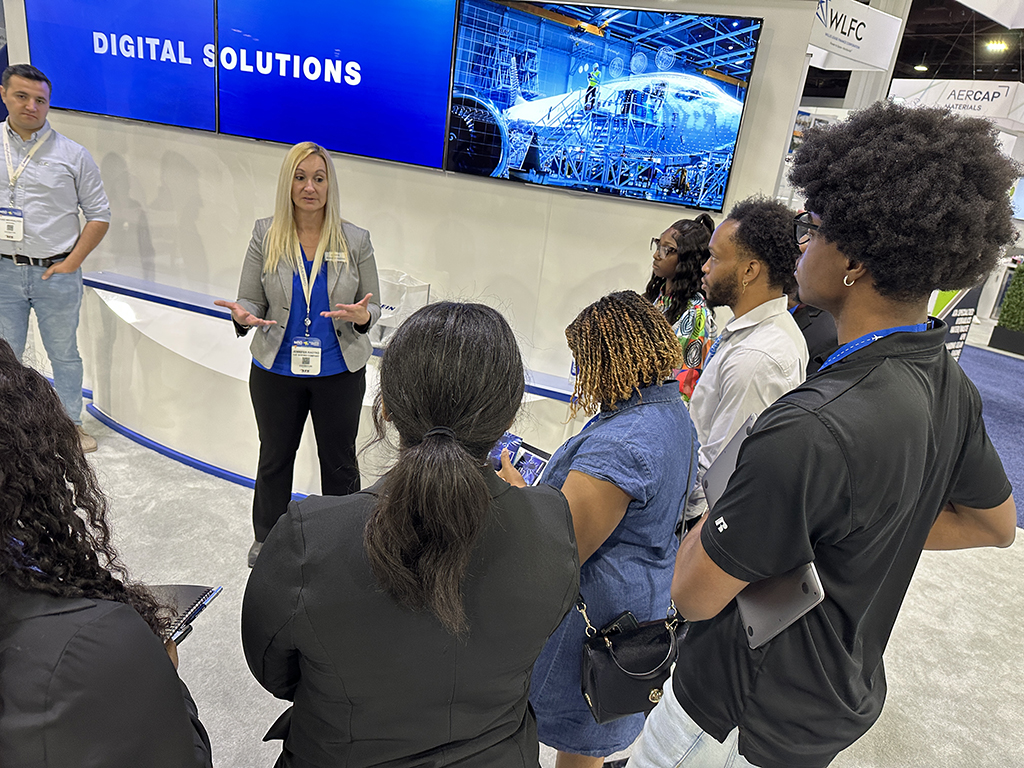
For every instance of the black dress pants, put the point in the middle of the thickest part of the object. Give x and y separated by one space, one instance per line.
281 404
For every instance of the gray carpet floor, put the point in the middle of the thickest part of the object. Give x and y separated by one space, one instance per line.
955 663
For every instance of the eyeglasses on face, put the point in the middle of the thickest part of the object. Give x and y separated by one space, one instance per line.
802 228
666 249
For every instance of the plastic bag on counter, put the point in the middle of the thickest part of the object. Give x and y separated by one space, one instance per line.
401 294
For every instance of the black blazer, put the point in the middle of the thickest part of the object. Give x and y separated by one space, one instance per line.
374 683
86 684
819 330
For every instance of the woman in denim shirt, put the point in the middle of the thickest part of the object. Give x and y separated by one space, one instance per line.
626 477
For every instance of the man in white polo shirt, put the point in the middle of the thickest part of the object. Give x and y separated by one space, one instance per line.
761 354
44 181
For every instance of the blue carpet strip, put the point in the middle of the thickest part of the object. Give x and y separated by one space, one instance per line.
999 380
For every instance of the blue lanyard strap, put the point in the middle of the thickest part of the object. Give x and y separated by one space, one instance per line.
852 346
714 348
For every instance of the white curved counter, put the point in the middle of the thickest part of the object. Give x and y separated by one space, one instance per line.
166 369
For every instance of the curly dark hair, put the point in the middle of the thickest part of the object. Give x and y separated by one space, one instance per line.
692 237
765 232
54 536
621 344
917 195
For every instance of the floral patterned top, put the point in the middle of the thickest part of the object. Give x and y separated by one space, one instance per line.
695 330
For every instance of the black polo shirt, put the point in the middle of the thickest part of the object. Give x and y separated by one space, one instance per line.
849 470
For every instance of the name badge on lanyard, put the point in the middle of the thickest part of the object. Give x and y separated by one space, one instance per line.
12 224
306 349
306 356
12 220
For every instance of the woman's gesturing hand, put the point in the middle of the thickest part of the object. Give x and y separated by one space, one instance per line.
355 313
241 315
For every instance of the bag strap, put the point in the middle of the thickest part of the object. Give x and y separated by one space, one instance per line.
581 606
671 617
670 655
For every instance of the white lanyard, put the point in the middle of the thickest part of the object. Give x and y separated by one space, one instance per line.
307 286
14 174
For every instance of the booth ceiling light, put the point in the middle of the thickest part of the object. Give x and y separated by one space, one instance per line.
997 46
922 67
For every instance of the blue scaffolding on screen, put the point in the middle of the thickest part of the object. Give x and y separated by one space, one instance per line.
632 103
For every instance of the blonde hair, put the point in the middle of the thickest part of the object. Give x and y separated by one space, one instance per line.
282 239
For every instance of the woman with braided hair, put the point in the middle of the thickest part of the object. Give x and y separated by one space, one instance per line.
675 291
626 477
86 678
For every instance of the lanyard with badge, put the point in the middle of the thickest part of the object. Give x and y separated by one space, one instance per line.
12 220
306 351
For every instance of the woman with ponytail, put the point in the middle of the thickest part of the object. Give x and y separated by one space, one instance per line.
403 621
86 677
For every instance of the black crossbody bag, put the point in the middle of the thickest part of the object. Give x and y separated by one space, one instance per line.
625 664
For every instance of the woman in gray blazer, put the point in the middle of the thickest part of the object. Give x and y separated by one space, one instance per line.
308 287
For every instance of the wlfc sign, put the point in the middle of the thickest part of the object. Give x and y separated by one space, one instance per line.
850 35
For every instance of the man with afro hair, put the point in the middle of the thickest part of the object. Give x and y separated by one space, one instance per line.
879 455
761 353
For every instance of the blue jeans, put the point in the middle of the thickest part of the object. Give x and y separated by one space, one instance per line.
670 739
57 302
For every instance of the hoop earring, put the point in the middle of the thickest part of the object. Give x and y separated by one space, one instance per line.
744 286
850 284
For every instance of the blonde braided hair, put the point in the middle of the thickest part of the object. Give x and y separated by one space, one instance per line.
621 344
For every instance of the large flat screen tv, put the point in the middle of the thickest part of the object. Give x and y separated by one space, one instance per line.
633 103
368 79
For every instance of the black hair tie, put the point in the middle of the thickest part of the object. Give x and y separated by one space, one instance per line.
439 431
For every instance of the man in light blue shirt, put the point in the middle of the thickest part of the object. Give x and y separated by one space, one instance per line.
44 181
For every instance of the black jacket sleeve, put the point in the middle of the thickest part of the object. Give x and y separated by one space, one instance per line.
271 603
121 702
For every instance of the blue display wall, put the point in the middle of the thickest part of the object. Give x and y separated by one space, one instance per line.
632 103
362 78
128 58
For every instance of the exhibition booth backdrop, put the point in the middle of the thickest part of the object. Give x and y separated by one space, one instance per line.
620 101
184 202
